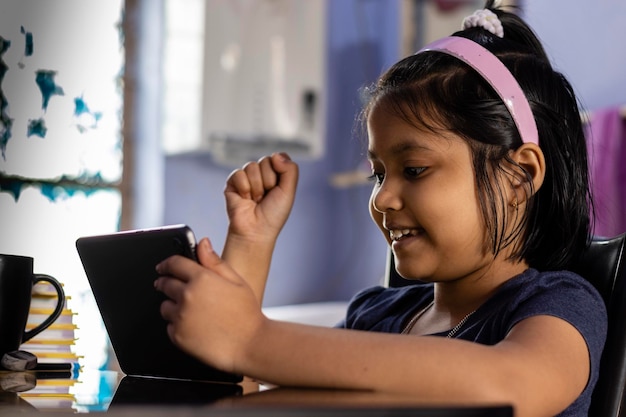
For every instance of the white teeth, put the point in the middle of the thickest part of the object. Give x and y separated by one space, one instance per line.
397 234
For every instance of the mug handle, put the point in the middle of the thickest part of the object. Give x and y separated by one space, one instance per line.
57 310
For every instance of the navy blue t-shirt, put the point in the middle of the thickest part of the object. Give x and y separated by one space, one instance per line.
561 294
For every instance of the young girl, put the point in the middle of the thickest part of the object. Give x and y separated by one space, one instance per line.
480 187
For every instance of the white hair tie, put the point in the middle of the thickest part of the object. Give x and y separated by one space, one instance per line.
485 19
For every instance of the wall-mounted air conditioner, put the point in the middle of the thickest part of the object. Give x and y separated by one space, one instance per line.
263 78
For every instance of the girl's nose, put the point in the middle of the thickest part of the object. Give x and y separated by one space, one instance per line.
385 199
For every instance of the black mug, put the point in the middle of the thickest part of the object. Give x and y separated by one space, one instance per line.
16 286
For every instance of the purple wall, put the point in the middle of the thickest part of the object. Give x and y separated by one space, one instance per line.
329 248
585 41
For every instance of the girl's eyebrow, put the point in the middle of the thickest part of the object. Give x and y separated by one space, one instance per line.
400 148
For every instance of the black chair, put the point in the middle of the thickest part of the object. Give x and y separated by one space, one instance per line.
604 265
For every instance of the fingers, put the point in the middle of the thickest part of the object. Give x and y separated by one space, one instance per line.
255 179
178 266
182 280
176 271
287 170
261 177
169 310
269 176
184 269
174 290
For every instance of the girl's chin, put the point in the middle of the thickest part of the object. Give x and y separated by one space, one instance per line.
411 270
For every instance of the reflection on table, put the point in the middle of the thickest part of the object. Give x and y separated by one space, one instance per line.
100 391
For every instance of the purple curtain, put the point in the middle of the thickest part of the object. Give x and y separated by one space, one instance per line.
606 144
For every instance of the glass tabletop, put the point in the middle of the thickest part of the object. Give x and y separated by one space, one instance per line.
98 391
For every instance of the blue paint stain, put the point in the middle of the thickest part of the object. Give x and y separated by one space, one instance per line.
64 187
4 46
37 127
51 191
47 86
6 123
12 187
81 109
29 44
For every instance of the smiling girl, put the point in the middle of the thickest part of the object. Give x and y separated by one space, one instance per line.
480 187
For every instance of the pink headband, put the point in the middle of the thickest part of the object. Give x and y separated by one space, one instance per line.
497 75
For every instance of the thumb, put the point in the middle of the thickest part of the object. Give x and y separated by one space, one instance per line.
206 255
208 258
287 170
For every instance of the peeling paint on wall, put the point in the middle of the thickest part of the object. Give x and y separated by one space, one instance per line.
60 188
47 86
29 45
5 121
60 138
37 127
85 118
60 98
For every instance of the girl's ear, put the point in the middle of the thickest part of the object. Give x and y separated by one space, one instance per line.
530 157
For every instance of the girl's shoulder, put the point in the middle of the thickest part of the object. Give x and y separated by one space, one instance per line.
555 285
562 294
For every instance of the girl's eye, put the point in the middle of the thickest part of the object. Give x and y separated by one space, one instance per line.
413 172
377 177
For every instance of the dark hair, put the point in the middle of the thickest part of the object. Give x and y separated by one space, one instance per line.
436 91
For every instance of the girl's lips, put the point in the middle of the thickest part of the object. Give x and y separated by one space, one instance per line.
399 234
403 241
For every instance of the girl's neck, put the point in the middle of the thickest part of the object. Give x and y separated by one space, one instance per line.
468 293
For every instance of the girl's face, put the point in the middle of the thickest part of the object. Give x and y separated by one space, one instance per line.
425 200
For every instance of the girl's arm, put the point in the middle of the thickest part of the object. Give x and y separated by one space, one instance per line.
259 198
540 367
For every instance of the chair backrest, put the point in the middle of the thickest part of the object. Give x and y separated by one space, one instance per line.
604 265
